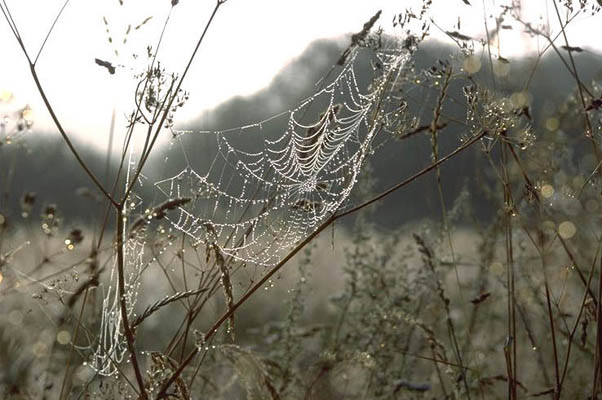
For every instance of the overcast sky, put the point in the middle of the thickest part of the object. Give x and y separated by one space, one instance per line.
249 42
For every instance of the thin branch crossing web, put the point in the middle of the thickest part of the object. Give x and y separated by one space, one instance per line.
268 187
111 347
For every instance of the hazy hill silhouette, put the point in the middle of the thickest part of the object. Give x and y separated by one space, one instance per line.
44 165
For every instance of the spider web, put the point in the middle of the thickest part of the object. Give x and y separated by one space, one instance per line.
266 187
273 182
111 348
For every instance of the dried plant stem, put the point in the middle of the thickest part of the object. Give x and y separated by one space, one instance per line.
62 131
435 154
300 246
129 335
161 303
567 250
71 349
553 332
570 333
511 351
212 282
588 124
509 369
542 363
5 10
50 31
172 98
66 138
576 324
439 375
598 332
411 179
494 84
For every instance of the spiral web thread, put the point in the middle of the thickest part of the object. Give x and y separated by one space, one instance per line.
266 188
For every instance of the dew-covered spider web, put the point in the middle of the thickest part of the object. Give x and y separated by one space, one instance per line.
271 183
111 347
266 185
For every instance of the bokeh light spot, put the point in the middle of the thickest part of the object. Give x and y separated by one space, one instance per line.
472 64
567 229
552 124
547 191
63 337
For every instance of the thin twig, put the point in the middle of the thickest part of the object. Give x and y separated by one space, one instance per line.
588 125
300 246
75 334
35 61
171 100
577 319
129 335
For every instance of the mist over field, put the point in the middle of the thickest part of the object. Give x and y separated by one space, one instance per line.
272 248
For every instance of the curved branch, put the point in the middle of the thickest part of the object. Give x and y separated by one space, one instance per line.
80 161
304 243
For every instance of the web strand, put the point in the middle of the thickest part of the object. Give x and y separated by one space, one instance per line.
271 183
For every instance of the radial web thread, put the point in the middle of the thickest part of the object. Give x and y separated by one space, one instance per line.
267 188
268 185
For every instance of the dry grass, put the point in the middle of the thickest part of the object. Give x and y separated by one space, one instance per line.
456 306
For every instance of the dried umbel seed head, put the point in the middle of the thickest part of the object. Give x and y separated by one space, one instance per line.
75 237
50 211
26 117
27 202
157 213
50 219
29 198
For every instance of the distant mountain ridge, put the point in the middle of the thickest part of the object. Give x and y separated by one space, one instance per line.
46 167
